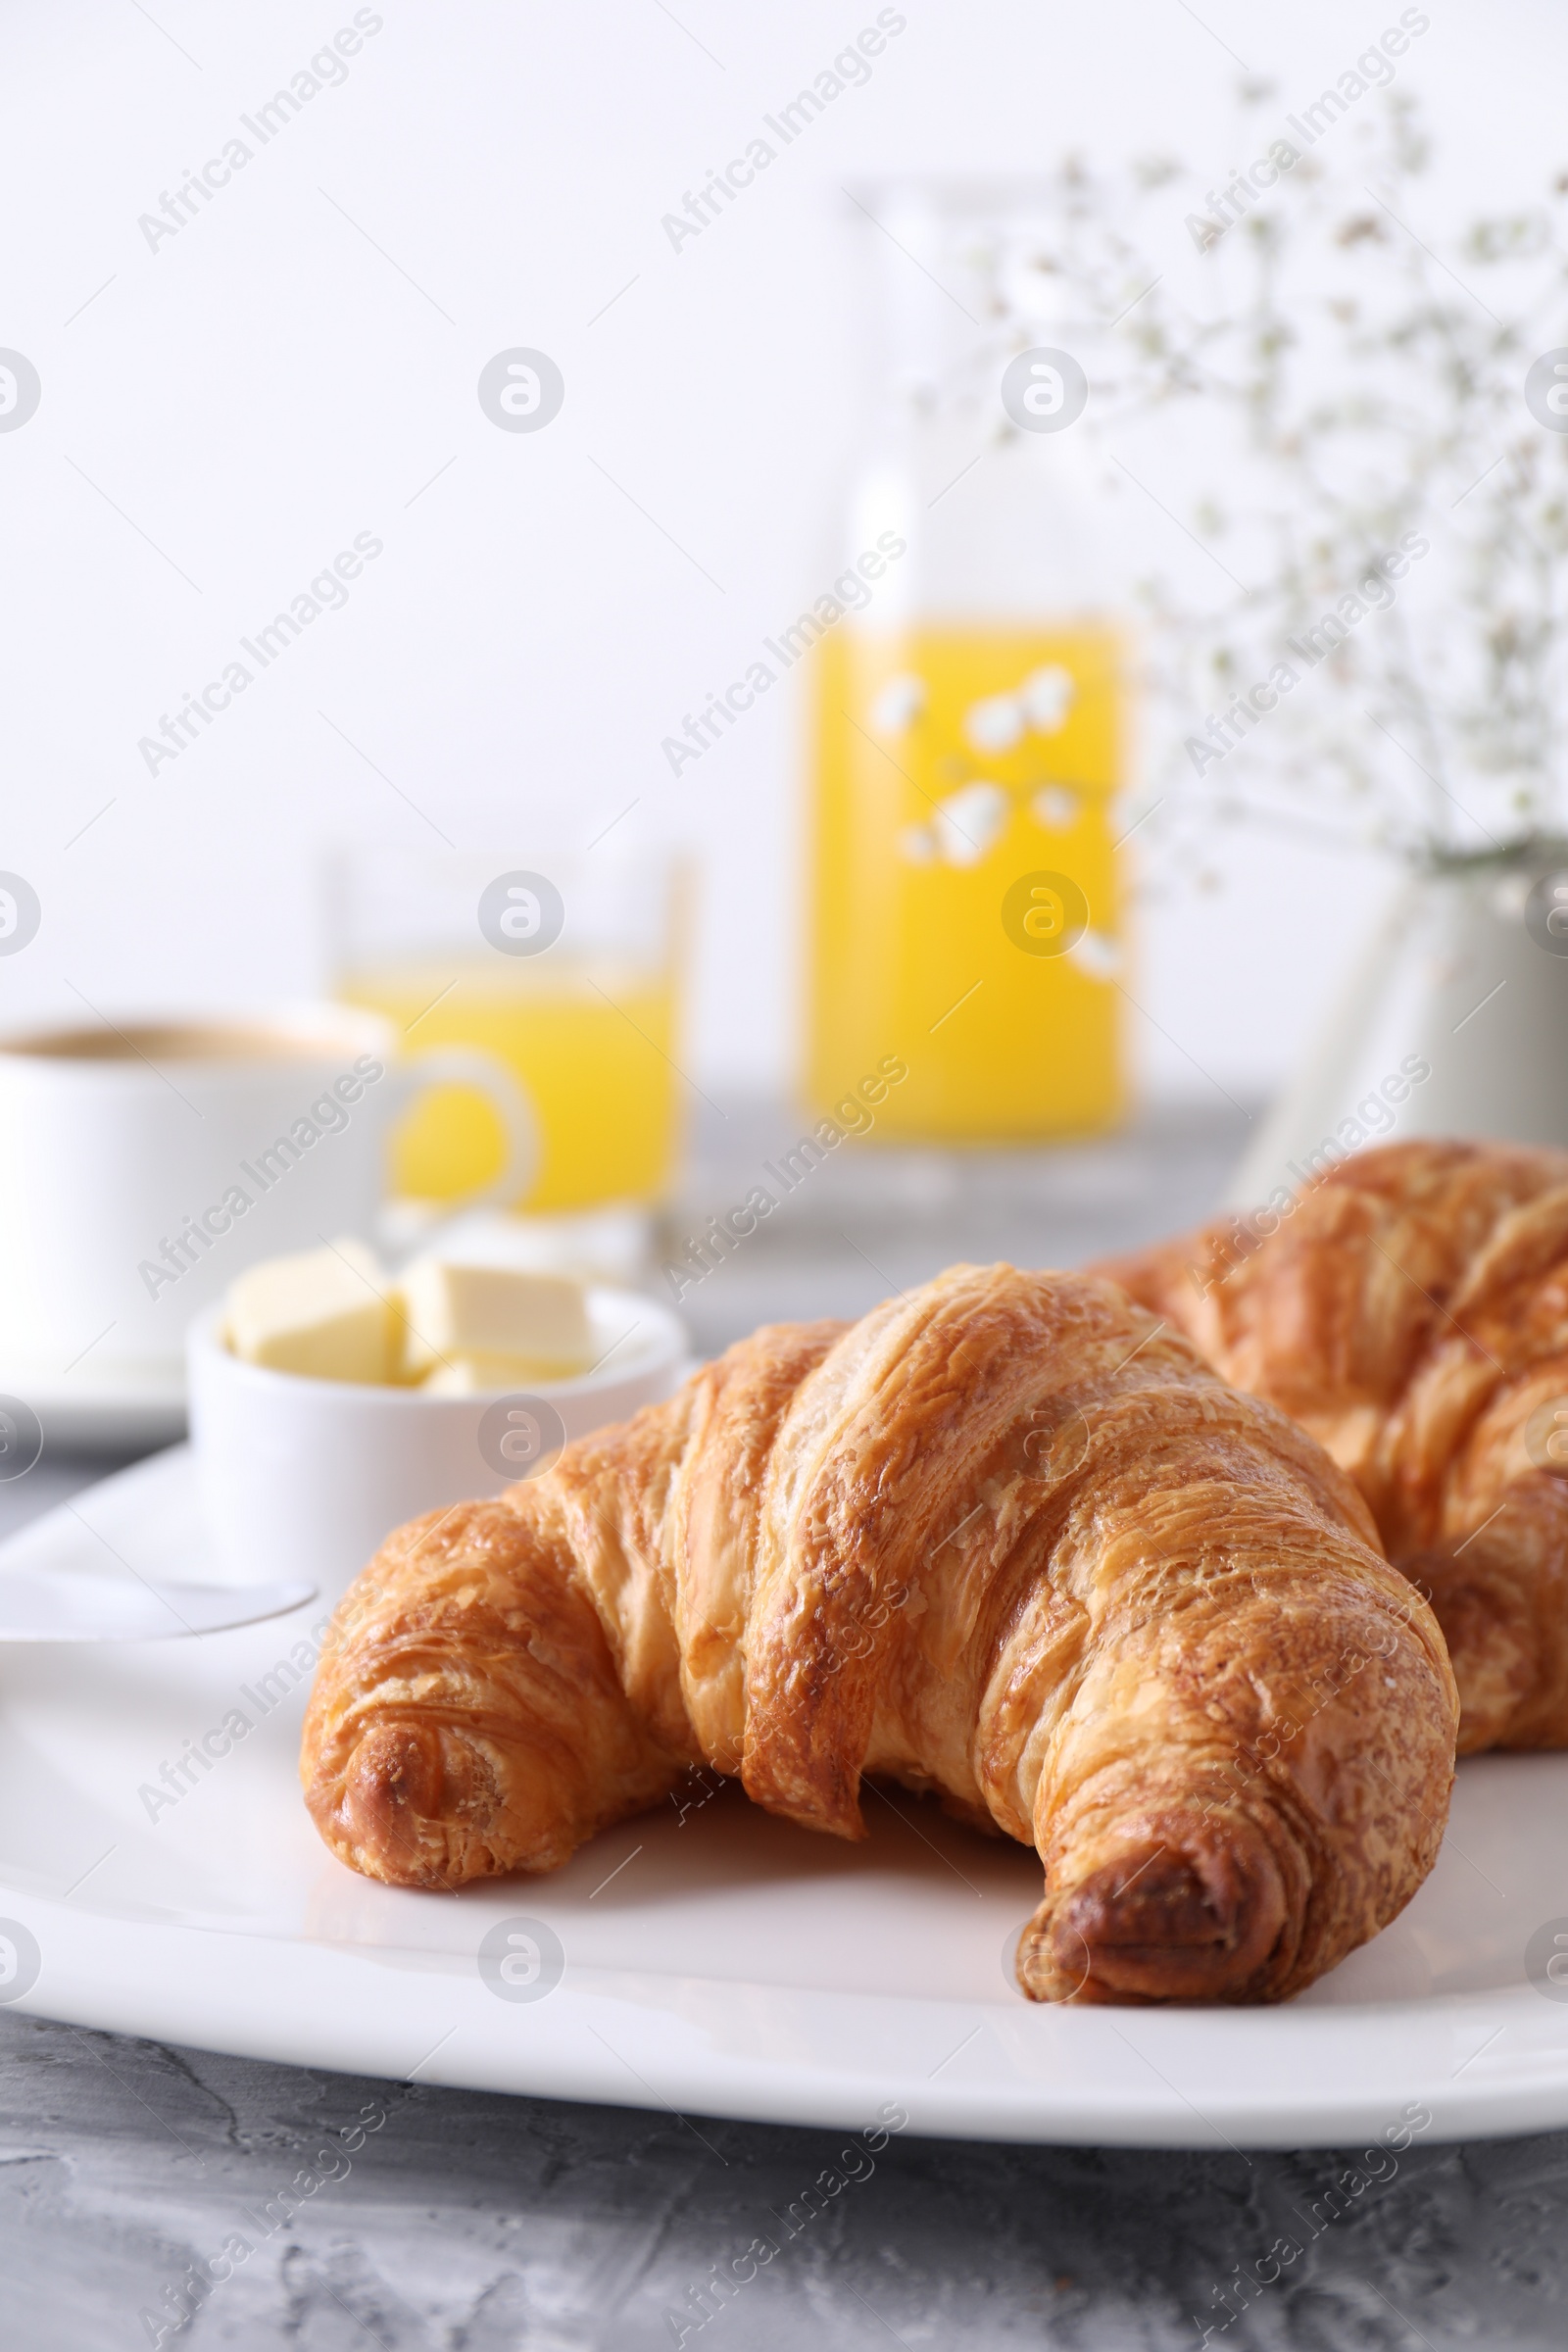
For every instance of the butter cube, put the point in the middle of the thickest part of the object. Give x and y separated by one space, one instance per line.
453 1310
324 1313
475 1374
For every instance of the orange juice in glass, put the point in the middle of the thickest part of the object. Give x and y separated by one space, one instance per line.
562 967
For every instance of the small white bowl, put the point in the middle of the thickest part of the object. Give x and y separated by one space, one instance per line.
306 1477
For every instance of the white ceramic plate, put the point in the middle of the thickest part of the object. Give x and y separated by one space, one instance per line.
715 1962
123 1409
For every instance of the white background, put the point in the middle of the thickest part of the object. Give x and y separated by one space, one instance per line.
269 383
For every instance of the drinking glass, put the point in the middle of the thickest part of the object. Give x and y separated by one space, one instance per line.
562 964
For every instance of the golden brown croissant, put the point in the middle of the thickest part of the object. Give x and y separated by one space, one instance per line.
1410 1310
1003 1540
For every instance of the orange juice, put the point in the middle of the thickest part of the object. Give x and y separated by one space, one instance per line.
954 764
590 1047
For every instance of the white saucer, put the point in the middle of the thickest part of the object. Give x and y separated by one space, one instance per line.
113 1408
716 1961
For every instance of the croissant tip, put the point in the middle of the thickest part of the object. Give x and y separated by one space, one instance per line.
1193 1915
393 1809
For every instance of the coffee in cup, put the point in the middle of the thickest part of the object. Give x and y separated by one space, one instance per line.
143 1164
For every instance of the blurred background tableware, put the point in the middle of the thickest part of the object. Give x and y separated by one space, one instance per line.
1464 983
565 967
1375 666
303 1477
143 1164
972 728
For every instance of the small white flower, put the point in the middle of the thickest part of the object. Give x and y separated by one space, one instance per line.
1096 955
1056 807
970 820
996 724
1046 696
899 705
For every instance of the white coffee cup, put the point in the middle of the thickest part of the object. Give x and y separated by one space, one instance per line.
143 1166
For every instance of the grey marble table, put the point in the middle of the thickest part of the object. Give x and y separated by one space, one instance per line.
464 2223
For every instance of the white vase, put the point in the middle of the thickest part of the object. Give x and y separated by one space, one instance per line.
1453 1022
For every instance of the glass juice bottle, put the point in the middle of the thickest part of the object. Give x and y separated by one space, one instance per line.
970 729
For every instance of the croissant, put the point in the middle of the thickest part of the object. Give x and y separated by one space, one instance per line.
1003 1540
1410 1309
